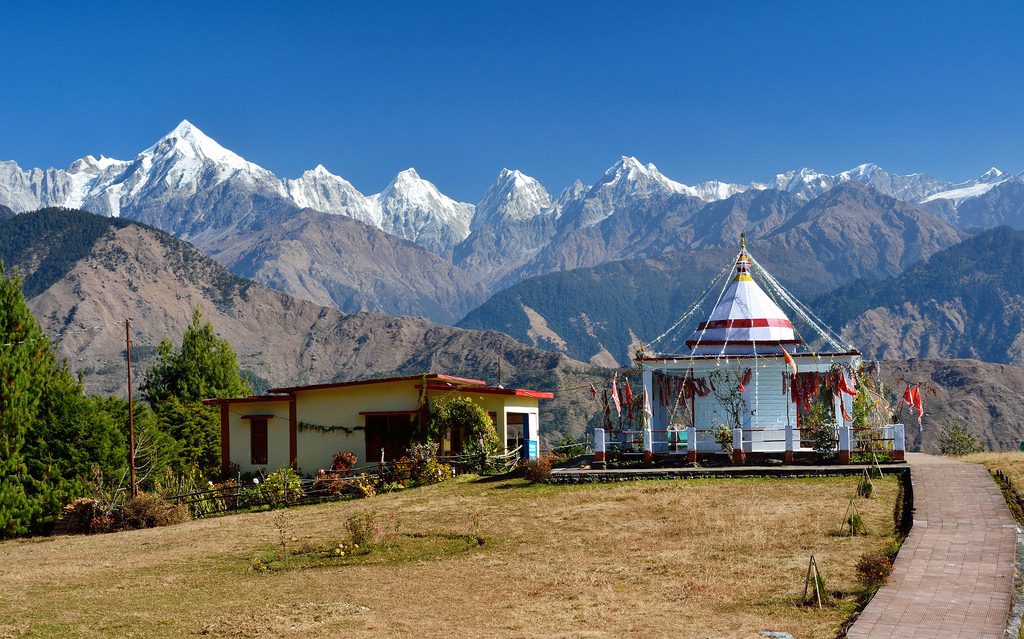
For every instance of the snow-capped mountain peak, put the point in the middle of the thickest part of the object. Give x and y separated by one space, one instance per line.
513 197
991 175
321 190
414 209
188 142
90 164
630 175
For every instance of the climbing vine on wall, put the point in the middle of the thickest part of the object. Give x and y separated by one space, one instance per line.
348 430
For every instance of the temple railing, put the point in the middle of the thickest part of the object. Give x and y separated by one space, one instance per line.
889 439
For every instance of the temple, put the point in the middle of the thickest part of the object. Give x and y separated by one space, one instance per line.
750 386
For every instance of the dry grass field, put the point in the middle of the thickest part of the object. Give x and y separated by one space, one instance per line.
699 558
1011 463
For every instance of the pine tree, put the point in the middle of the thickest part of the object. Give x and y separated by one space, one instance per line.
204 367
27 365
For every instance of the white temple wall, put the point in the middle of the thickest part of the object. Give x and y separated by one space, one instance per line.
764 392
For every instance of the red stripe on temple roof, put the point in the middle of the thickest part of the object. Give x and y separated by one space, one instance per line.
746 323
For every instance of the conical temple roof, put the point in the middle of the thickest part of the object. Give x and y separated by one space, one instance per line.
745 320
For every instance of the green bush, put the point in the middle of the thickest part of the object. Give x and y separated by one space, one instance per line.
956 439
282 486
462 414
364 529
436 472
723 437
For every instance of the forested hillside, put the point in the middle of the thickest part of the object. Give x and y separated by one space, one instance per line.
965 301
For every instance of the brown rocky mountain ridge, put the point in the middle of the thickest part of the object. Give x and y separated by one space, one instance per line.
135 271
985 397
150 276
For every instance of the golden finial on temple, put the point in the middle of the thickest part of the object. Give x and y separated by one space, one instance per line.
743 241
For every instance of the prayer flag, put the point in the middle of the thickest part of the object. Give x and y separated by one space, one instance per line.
789 360
615 394
629 401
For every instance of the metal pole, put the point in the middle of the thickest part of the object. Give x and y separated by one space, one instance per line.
134 490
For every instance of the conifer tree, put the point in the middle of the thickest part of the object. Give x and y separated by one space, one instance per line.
205 366
27 365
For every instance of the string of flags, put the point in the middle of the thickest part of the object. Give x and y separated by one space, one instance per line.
85 329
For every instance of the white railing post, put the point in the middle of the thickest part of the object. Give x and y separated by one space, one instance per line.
844 445
648 440
691 444
899 441
600 447
737 446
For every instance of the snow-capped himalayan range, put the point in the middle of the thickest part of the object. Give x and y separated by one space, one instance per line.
188 164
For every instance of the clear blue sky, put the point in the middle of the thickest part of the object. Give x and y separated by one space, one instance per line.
727 90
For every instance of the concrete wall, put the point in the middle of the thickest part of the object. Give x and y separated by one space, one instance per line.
240 440
767 407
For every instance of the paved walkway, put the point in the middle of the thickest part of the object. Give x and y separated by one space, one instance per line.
953 578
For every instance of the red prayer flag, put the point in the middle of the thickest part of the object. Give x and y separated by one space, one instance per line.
789 360
615 394
916 401
908 396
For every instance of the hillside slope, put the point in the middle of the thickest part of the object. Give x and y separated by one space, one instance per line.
122 269
337 261
985 397
966 301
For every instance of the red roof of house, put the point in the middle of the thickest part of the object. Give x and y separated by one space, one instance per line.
435 382
494 390
382 380
247 400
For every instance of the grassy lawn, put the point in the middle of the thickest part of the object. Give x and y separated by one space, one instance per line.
1011 463
698 558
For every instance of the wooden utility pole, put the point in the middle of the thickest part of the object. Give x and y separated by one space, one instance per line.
134 491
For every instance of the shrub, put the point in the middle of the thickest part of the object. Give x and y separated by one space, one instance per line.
873 569
723 437
364 529
420 457
149 510
865 487
956 439
537 470
459 413
343 462
363 487
396 472
436 472
569 448
282 486
329 483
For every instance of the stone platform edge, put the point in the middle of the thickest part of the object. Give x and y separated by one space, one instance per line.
577 475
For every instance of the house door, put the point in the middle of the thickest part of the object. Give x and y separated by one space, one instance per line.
392 433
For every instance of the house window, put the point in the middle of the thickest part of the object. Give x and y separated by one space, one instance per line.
258 440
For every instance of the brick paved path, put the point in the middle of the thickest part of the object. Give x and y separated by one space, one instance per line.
953 578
